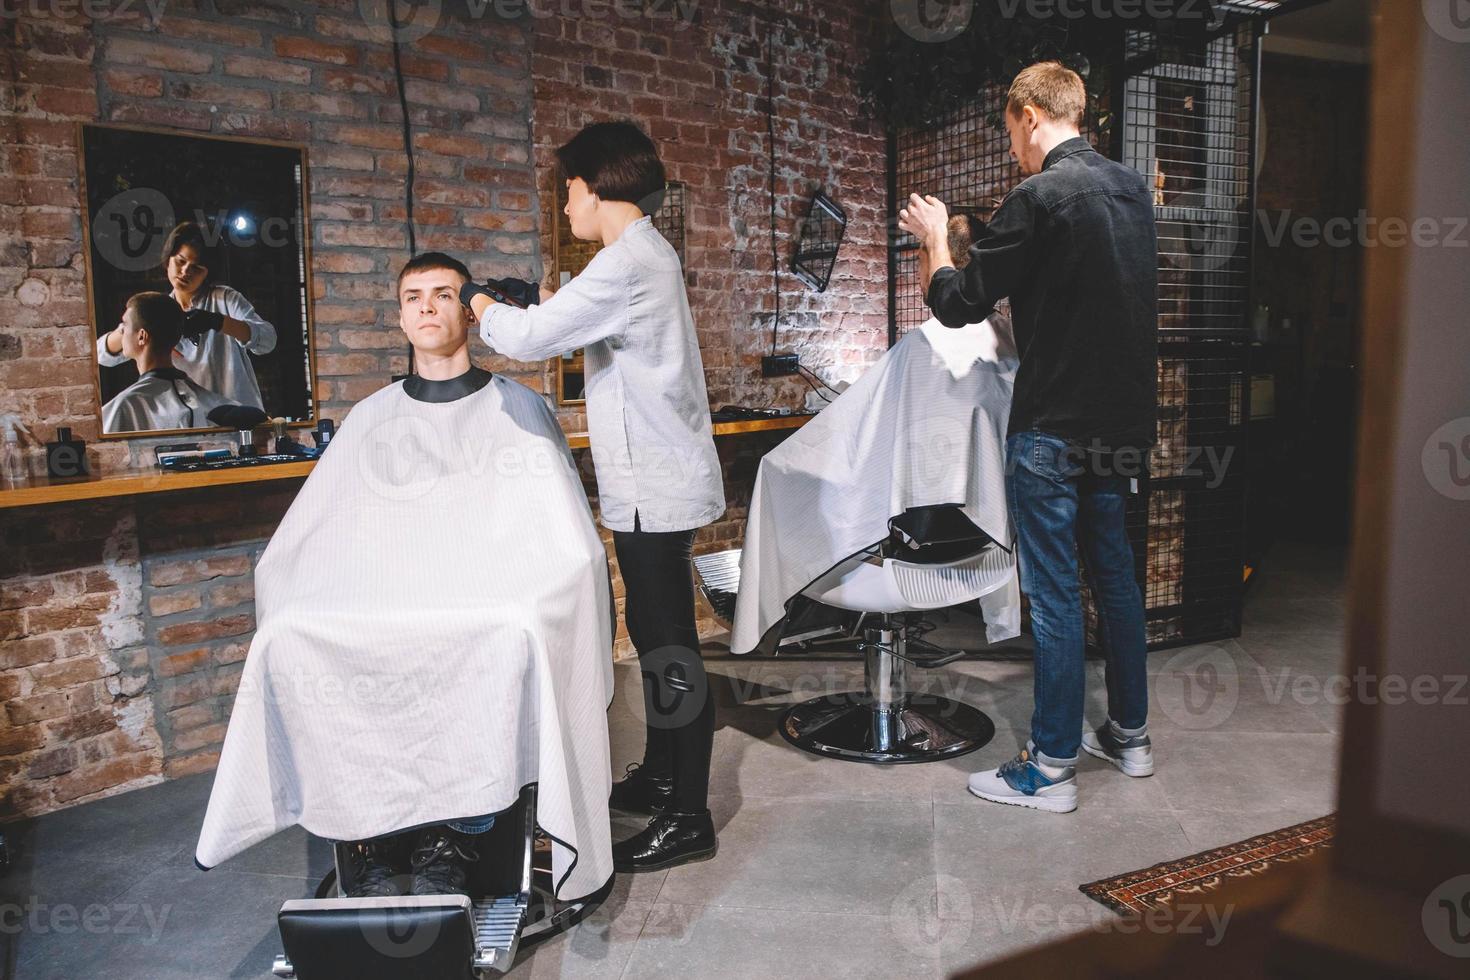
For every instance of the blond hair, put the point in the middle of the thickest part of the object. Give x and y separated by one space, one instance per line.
960 239
1055 90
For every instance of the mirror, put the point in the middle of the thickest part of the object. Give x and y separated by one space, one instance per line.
218 225
570 256
818 241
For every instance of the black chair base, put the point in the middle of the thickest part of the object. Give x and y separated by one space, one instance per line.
850 726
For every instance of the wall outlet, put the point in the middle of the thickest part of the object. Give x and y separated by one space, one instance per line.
779 365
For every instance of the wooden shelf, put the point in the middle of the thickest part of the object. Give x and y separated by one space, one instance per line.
126 484
44 491
578 440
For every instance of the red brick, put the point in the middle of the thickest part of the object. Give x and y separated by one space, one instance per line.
336 80
103 776
194 715
183 663
52 762
204 30
198 632
60 674
247 66
367 236
345 263
93 721
19 593
55 704
161 55
67 102
188 765
195 688
373 137
14 741
176 602
231 95
198 738
309 49
161 114
232 594
322 105
197 570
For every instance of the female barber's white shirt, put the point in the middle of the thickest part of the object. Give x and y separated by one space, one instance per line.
648 415
218 361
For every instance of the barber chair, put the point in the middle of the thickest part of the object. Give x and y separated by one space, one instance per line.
449 937
934 557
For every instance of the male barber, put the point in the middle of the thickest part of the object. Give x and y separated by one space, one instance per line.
1075 249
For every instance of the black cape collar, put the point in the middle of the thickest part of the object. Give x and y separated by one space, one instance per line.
453 389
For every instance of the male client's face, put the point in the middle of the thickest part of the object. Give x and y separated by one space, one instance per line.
430 312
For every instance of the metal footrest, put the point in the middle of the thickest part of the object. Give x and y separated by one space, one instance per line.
498 924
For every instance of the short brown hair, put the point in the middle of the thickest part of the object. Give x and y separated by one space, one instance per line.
1054 89
161 316
961 236
425 261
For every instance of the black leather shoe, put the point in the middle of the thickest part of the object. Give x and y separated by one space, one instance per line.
641 792
672 838
373 876
441 862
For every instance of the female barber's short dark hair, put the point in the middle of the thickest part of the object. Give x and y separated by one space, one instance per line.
161 316
189 233
618 162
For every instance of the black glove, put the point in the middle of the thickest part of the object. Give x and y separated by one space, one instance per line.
199 322
512 292
522 292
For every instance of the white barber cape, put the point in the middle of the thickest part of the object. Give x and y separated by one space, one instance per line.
433 635
925 425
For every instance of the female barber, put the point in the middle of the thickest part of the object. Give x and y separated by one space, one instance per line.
658 478
221 328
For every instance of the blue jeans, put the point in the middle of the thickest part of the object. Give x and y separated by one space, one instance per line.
1061 505
474 825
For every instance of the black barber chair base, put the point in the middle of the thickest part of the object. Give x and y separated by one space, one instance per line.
887 723
435 937
847 726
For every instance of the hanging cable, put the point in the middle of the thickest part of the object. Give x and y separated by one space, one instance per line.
407 145
818 379
771 183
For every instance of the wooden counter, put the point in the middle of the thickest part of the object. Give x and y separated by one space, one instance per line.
44 491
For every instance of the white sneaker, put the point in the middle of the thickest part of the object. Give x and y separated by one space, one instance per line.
1134 756
1021 782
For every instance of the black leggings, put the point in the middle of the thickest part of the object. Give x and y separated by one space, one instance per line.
658 589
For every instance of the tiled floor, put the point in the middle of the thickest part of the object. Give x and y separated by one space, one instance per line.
825 867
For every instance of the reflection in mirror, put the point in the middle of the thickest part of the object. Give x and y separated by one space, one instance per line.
198 271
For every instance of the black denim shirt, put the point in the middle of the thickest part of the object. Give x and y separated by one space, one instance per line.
1075 249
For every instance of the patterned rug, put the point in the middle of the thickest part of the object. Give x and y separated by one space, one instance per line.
1160 886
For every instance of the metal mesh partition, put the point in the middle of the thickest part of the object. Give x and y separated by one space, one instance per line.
1186 122
964 161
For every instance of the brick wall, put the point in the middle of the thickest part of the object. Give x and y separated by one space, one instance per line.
124 623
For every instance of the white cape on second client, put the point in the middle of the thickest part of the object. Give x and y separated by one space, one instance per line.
925 425
433 635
